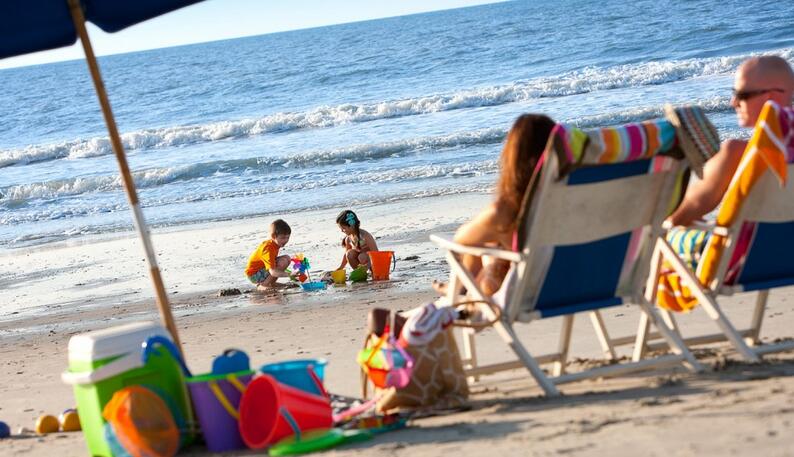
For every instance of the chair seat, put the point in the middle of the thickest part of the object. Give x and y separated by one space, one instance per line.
579 307
765 285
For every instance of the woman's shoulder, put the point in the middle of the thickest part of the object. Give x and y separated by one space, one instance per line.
498 214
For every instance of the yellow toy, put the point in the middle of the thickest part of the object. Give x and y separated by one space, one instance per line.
47 424
70 421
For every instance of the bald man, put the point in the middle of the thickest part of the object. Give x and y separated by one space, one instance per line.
757 80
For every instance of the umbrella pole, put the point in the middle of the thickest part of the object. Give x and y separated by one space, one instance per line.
129 184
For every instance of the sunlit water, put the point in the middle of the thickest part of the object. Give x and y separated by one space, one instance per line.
337 116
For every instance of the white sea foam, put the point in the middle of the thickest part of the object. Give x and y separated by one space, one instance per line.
715 104
586 80
15 196
58 211
154 177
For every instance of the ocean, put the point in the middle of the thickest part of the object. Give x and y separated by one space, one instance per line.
355 114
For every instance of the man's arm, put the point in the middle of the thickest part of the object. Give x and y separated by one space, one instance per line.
704 195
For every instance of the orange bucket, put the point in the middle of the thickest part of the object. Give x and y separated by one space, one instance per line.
380 262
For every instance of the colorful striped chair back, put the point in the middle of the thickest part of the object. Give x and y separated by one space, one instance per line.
596 210
588 233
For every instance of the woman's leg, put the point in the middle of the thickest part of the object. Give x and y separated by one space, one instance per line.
472 263
488 274
492 274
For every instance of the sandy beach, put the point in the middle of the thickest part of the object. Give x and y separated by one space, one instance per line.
234 114
733 408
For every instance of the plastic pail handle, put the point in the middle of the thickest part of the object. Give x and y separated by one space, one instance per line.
221 397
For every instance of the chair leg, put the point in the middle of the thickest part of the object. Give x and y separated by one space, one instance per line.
758 317
677 345
715 313
507 333
603 336
669 320
564 345
707 303
641 342
470 351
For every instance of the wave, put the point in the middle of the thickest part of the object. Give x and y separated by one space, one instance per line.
40 237
114 204
276 169
712 105
586 80
154 177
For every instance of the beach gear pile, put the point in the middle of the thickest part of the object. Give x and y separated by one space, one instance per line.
137 398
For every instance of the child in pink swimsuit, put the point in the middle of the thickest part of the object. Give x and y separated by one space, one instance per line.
357 241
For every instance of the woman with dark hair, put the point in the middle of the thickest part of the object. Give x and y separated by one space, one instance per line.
357 241
495 225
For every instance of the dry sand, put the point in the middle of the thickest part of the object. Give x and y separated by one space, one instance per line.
733 408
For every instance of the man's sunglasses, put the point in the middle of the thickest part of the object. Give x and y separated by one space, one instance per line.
742 95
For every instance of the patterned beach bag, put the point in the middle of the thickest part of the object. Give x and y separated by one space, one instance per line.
437 380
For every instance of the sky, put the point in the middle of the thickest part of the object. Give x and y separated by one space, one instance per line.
213 20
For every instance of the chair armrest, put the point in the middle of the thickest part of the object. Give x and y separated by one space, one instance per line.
450 245
701 225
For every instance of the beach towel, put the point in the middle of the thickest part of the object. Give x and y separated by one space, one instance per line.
425 322
614 144
770 149
685 132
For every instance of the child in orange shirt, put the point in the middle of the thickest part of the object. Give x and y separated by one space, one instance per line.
265 266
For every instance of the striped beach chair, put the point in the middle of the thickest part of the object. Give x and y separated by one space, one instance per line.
750 246
585 239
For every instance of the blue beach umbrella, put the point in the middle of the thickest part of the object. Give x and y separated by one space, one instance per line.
37 25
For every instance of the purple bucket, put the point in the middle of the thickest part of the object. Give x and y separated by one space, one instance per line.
216 400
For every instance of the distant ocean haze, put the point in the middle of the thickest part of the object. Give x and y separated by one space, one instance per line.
354 114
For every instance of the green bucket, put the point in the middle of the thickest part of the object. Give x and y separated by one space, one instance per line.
359 274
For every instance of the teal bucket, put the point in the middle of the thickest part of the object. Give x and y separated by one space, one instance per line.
306 375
